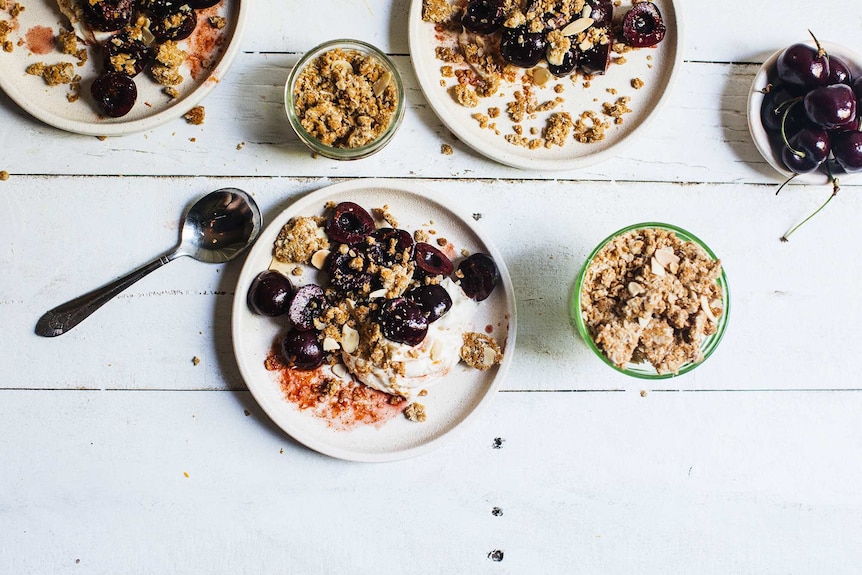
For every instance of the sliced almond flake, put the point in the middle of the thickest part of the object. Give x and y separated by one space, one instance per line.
349 339
635 288
377 293
318 259
576 27
381 83
489 356
706 309
665 256
644 321
319 325
330 344
656 267
340 370
436 350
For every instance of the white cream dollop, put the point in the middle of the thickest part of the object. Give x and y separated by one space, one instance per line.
425 363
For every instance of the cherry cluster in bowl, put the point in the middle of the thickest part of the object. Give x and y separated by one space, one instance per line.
812 112
642 27
360 253
114 90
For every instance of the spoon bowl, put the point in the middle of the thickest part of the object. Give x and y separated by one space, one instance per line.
216 229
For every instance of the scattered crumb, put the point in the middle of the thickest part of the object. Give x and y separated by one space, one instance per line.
446 150
186 474
415 412
193 139
422 392
195 116
637 83
217 22
196 360
4 175
102 138
246 412
480 351
53 74
643 393
240 146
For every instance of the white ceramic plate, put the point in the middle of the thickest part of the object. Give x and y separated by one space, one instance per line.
451 402
153 108
658 73
767 75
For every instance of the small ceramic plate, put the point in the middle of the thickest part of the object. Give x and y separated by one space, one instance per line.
451 401
767 75
656 67
210 51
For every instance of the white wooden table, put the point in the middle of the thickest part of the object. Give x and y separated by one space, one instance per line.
118 455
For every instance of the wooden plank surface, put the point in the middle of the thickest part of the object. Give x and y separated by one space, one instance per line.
749 464
582 482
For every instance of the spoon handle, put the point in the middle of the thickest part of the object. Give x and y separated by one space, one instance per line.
66 316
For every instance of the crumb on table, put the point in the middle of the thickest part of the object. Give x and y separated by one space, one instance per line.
195 116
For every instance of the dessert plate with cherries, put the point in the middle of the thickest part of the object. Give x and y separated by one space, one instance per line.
209 34
564 97
299 374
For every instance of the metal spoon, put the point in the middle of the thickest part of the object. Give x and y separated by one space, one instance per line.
216 228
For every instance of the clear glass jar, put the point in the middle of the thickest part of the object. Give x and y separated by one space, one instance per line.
344 153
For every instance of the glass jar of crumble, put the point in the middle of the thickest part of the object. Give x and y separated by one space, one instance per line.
344 99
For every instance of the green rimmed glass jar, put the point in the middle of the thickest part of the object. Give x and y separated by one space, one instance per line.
342 151
645 370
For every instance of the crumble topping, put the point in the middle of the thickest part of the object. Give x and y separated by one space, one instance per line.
480 351
648 296
299 239
415 412
166 68
345 99
195 116
53 74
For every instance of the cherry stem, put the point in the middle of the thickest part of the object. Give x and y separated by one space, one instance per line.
835 189
787 181
820 51
789 104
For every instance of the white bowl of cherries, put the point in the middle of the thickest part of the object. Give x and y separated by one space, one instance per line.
805 113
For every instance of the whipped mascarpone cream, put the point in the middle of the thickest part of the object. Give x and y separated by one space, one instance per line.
427 362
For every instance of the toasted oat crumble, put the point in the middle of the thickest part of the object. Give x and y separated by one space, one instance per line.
53 74
415 412
446 150
637 83
166 68
299 239
195 116
649 296
480 351
217 22
345 99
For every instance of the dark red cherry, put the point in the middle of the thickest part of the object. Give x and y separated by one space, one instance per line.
201 4
108 15
391 246
433 299
597 59
483 16
831 106
839 72
349 223
776 102
308 303
643 25
270 293
174 26
302 349
813 142
798 164
522 48
126 54
478 276
847 149
857 87
115 93
348 271
430 261
568 65
403 321
802 65
602 12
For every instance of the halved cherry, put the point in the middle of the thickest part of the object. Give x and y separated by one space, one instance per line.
430 261
643 25
175 26
348 271
479 276
115 93
349 223
432 299
308 303
108 15
390 246
126 54
403 321
302 349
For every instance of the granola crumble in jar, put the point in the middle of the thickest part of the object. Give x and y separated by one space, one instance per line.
652 301
344 99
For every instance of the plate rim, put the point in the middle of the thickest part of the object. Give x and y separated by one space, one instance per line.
121 128
277 414
514 160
